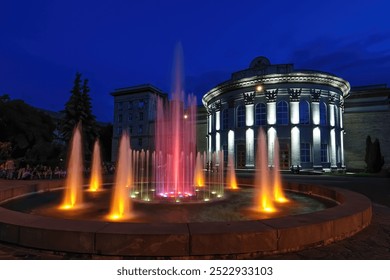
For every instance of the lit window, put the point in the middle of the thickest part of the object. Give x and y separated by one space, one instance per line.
323 115
141 104
261 114
305 152
324 153
304 112
240 116
225 119
282 115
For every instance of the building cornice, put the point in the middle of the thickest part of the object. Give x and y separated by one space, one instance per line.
275 79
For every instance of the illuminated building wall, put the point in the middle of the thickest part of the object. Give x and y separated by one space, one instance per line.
303 109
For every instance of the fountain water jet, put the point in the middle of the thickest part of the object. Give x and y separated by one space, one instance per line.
231 175
96 170
199 180
264 199
73 196
121 204
176 142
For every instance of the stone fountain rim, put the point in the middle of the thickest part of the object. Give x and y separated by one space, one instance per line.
187 240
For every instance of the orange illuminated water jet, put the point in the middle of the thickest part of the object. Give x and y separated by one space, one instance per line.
231 175
121 204
74 176
264 200
96 171
199 178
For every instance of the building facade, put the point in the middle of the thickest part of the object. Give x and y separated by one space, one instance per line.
303 109
135 112
367 111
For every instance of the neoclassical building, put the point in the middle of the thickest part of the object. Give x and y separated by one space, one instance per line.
302 108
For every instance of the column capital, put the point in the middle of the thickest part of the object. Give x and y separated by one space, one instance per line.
249 97
270 95
332 98
294 94
217 105
315 95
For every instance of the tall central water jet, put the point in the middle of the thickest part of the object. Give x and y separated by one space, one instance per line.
74 178
176 140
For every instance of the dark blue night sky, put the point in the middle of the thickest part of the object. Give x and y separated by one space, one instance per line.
124 43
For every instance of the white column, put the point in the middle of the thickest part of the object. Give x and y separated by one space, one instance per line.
315 113
295 146
250 148
332 119
333 149
249 135
342 147
210 147
294 112
317 148
231 143
210 122
249 114
341 117
217 142
271 113
217 120
271 135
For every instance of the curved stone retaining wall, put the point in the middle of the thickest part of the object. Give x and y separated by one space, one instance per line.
187 240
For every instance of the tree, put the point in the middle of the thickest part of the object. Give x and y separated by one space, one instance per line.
79 109
25 131
373 157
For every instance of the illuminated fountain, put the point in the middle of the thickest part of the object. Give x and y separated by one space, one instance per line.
199 177
121 203
263 198
73 196
231 178
96 170
158 199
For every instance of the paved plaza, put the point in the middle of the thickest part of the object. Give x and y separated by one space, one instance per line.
371 243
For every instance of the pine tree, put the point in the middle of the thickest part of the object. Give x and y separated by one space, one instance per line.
79 108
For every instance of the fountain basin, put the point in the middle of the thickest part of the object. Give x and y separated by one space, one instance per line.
187 240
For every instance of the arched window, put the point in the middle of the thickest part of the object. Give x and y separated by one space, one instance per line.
282 115
323 114
240 116
261 114
225 119
304 112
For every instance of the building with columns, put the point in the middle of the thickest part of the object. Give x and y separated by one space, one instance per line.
302 108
